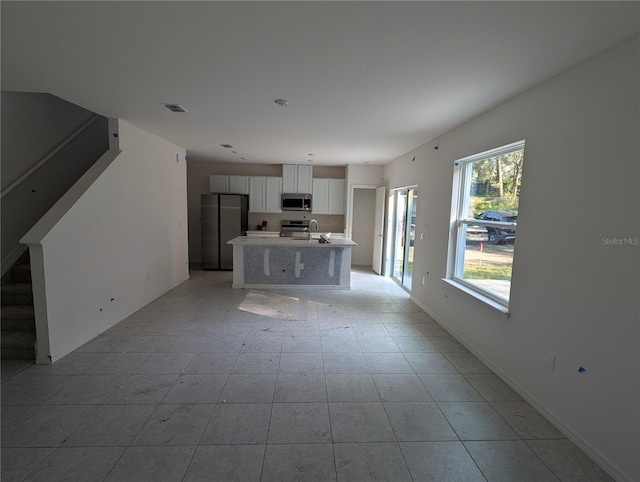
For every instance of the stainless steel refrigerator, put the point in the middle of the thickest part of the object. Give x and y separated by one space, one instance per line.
224 217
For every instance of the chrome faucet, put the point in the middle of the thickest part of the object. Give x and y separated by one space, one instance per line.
312 221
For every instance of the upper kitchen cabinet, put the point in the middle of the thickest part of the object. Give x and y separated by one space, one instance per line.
229 184
264 195
328 196
297 178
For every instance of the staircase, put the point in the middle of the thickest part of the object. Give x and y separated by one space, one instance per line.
17 318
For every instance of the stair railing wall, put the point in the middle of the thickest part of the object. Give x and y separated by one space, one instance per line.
28 198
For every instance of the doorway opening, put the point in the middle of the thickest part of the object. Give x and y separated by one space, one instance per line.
402 220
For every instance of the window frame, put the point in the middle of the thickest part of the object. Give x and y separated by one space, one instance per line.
459 222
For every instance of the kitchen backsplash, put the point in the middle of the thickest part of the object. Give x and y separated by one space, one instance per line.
327 223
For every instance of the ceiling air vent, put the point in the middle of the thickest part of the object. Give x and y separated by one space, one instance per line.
175 107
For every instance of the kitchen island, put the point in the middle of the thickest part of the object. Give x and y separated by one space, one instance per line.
291 263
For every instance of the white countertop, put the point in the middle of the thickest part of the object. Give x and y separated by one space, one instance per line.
270 241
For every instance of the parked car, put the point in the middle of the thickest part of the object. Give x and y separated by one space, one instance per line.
500 235
477 233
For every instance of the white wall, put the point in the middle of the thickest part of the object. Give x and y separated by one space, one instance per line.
571 295
32 125
364 202
121 244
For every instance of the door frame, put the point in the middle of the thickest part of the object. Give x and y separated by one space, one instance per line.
349 220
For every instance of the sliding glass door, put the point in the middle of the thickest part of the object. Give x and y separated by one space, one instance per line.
403 220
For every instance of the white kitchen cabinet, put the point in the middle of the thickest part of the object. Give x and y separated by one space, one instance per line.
229 184
219 184
257 194
320 196
239 184
336 196
273 194
297 178
328 196
264 194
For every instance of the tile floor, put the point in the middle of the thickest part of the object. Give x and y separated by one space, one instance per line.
208 383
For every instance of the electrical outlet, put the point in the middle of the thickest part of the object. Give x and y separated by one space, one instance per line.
551 361
424 279
422 235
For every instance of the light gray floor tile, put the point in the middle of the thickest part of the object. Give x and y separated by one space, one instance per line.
161 464
195 389
387 363
345 363
301 387
164 363
103 344
263 342
211 364
249 388
182 343
118 364
467 362
447 344
418 421
301 363
47 426
143 344
401 388
394 318
492 388
360 422
370 330
75 363
249 362
431 329
299 463
567 461
430 363
110 425
450 387
476 421
526 421
125 328
414 344
77 463
299 423
12 414
508 461
142 389
223 344
335 345
88 389
175 425
17 463
440 461
378 344
27 389
301 344
229 463
351 388
370 462
238 423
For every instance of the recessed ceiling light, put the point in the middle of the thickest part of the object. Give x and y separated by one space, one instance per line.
281 102
243 158
234 152
310 154
309 160
227 146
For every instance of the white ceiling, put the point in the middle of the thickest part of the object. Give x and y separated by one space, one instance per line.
366 81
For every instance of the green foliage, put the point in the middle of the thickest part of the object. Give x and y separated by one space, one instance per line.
481 204
475 271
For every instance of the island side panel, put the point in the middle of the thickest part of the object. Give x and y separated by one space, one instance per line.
293 265
238 266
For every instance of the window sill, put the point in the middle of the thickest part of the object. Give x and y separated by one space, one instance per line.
478 295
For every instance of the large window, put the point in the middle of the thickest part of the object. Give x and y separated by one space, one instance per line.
486 194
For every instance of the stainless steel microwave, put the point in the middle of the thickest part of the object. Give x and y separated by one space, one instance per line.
296 202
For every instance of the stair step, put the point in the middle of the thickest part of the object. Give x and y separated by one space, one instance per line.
17 312
17 324
21 273
18 353
17 339
17 294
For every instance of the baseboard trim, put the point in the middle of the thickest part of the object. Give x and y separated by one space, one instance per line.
587 448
